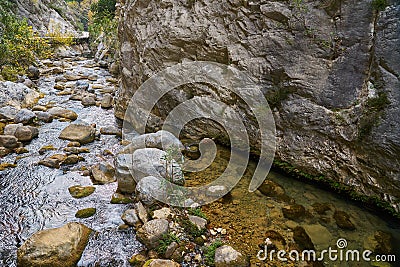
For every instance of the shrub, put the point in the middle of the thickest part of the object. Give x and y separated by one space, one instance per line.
103 25
166 240
59 38
19 44
103 9
209 252
379 5
197 212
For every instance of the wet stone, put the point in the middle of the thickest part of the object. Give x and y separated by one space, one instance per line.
343 220
24 116
80 133
85 213
88 101
294 212
103 173
78 191
8 141
302 239
44 116
44 149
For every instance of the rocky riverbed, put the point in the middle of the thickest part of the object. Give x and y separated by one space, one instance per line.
35 185
63 162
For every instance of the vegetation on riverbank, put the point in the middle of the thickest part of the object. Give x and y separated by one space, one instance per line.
20 46
370 202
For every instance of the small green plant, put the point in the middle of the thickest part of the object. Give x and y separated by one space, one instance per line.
370 117
197 212
275 97
191 228
379 5
209 253
165 241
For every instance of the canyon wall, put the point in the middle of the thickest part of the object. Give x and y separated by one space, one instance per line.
329 68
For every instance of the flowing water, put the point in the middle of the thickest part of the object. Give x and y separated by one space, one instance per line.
35 197
250 217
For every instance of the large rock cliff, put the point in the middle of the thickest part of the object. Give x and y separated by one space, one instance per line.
329 68
48 15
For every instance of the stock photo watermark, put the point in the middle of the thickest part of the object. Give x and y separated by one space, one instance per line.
338 254
199 107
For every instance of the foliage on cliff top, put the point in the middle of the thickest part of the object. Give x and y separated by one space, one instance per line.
103 25
19 44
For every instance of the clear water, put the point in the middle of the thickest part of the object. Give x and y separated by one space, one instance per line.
34 197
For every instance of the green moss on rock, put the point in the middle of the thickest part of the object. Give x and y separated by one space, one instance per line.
85 213
78 191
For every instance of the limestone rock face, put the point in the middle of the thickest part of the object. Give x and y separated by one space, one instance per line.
329 69
59 247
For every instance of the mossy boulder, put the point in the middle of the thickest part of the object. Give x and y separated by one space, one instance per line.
118 198
78 191
85 213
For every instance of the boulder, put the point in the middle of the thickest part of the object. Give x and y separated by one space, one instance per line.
302 239
142 212
44 116
80 133
88 101
24 116
226 256
126 183
58 247
4 151
8 141
274 190
198 221
380 242
151 162
33 72
294 212
130 217
63 113
319 235
78 191
71 159
151 232
148 189
107 101
103 173
8 113
162 213
10 129
161 140
111 130
85 213
26 133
